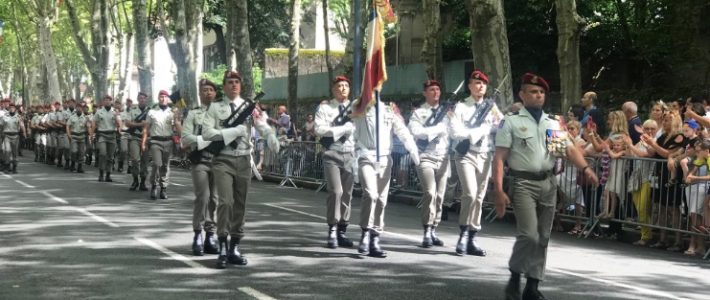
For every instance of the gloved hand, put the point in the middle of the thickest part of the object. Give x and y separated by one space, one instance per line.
238 131
343 130
273 143
441 130
414 156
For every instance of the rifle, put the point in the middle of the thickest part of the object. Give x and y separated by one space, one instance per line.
238 117
140 118
478 117
339 120
437 117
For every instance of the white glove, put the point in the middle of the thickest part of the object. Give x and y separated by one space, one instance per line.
441 131
231 134
414 156
345 129
273 143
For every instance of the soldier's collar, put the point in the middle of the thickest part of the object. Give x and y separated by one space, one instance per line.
336 103
470 100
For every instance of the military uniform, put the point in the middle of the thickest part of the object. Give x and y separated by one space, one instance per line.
139 158
12 126
107 122
78 125
37 135
123 139
375 175
433 169
161 122
63 146
202 182
337 168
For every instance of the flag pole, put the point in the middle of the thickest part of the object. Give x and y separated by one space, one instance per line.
377 125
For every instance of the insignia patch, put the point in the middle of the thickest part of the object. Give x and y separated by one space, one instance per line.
523 129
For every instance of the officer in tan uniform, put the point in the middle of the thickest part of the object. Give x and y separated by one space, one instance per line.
139 158
232 167
337 161
37 132
474 122
63 145
106 121
161 124
12 127
125 135
78 127
375 174
50 122
530 141
202 177
433 171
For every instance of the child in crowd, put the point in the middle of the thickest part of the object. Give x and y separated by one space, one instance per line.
696 193
690 131
614 188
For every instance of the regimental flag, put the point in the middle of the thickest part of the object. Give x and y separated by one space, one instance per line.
375 74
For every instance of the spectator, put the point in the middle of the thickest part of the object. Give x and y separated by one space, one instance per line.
695 193
639 184
571 191
658 110
630 110
309 129
575 113
592 112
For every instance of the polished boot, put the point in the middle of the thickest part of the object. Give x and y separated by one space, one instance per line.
531 292
108 177
87 161
343 240
210 244
134 185
233 256
59 159
426 241
472 248
332 237
36 156
79 169
463 237
163 193
72 167
197 246
50 156
14 168
435 238
222 258
120 167
153 192
67 165
375 249
141 186
364 246
512 289
101 175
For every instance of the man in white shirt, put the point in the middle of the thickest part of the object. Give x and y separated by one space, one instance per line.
161 124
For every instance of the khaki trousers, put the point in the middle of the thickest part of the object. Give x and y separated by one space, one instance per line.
123 147
205 197
10 146
78 148
63 146
107 147
474 170
433 172
139 159
161 151
375 189
232 177
534 204
339 176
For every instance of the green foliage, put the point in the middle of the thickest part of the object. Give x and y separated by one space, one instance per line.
215 75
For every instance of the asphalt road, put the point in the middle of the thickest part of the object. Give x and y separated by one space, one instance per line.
67 236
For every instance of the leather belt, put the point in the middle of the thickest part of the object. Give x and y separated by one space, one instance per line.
107 131
535 176
161 138
10 133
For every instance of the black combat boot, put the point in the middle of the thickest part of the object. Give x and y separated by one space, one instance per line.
79 169
472 248
375 249
512 290
141 186
233 256
531 292
108 177
463 237
120 167
101 175
67 166
14 168
50 156
435 238
197 246
163 193
153 192
343 240
332 237
222 258
87 161
426 241
36 156
72 167
134 185
364 246
59 158
210 244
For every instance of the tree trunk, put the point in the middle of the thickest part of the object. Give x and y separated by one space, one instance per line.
569 24
326 32
489 43
293 47
230 50
240 37
97 57
431 54
49 60
145 68
126 70
187 18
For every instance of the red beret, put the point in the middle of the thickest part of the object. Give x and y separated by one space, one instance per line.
231 74
208 82
163 93
57 103
429 83
81 104
108 97
530 78
341 78
12 104
478 75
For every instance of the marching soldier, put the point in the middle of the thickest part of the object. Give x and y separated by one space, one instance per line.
429 125
473 123
139 158
337 138
125 135
50 122
160 125
78 126
202 177
530 141
375 173
107 122
63 145
36 131
232 167
3 112
12 126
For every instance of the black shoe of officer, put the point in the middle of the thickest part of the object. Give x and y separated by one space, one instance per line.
234 256
463 238
210 244
332 237
197 246
364 246
120 167
72 167
67 165
163 193
426 241
472 248
512 289
154 192
79 169
531 292
343 240
134 184
108 177
14 168
435 238
375 249
222 258
142 186
101 176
